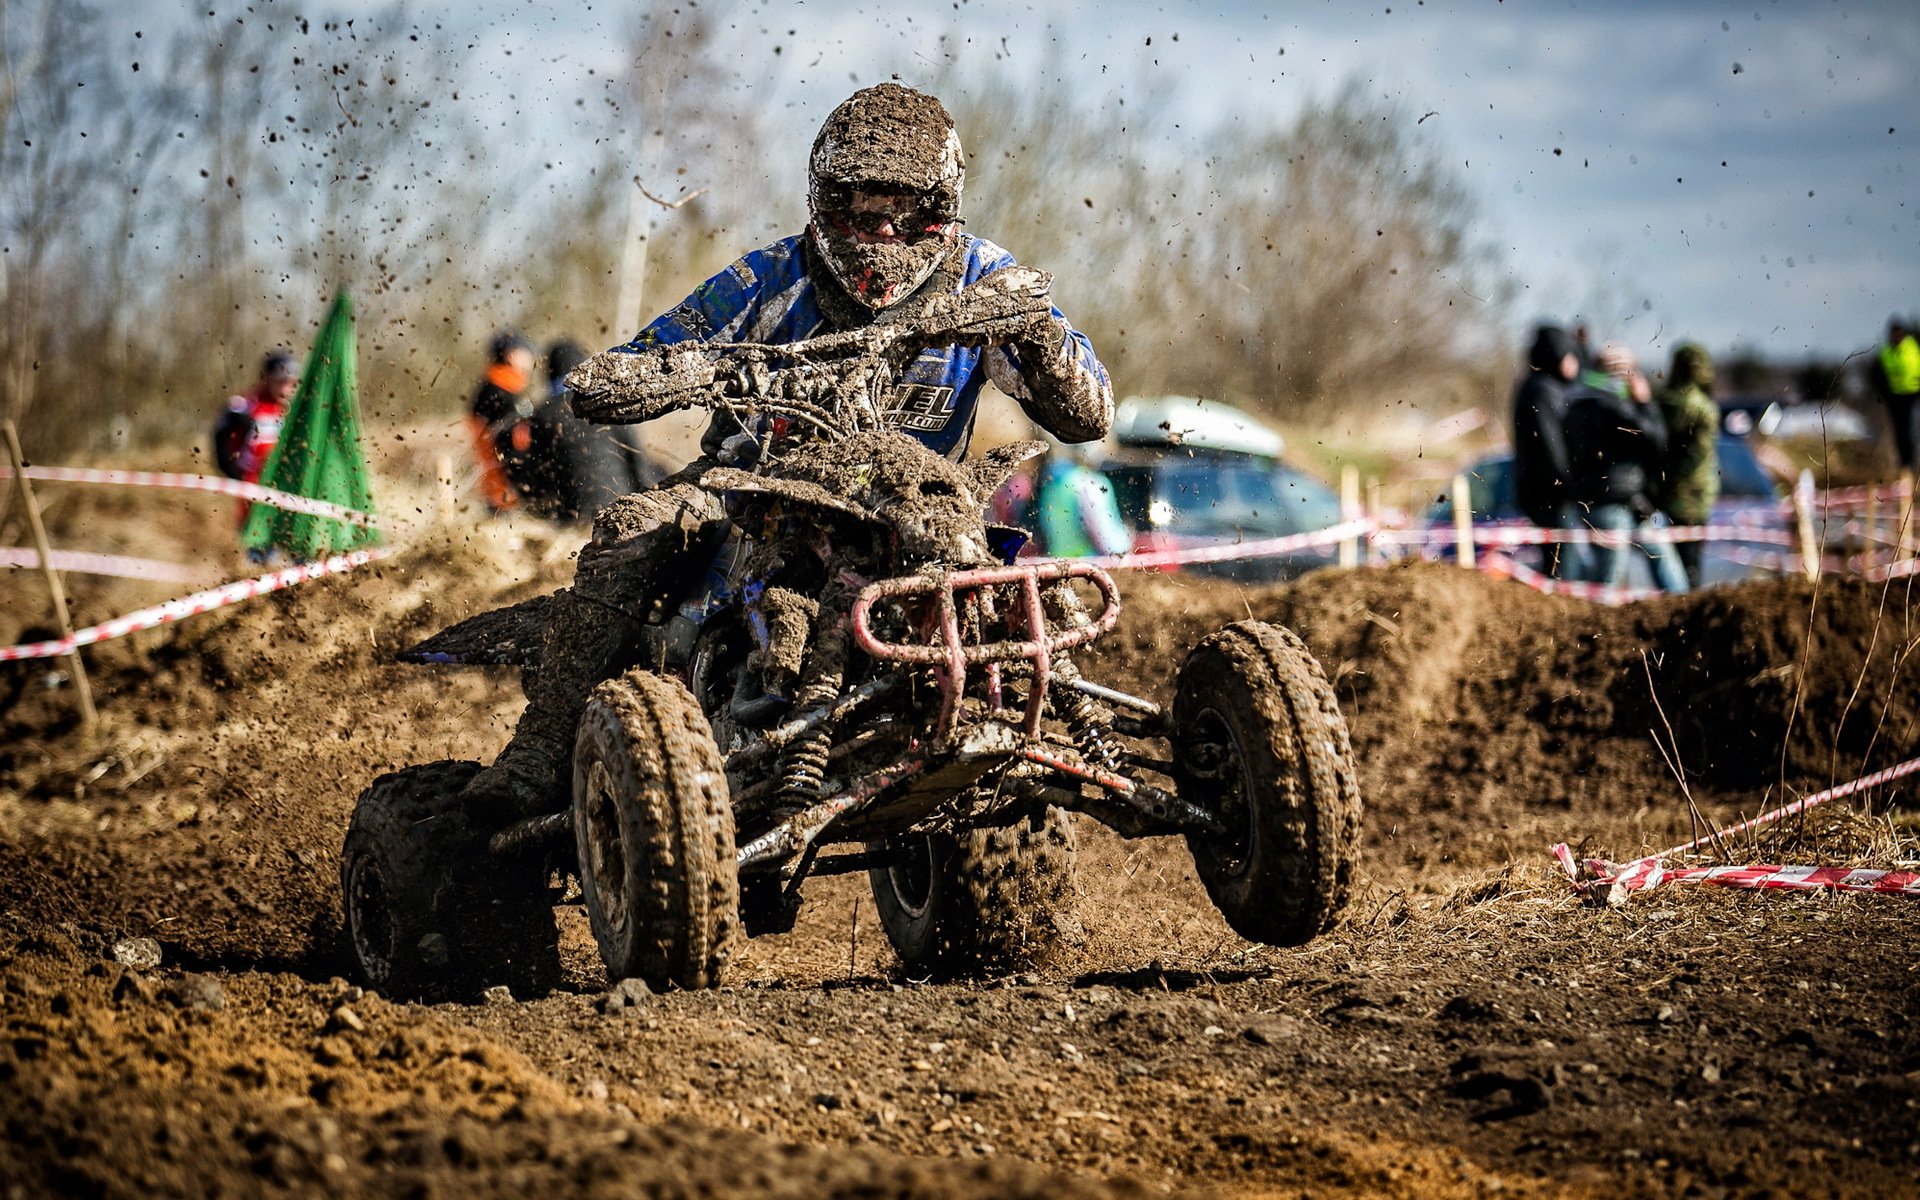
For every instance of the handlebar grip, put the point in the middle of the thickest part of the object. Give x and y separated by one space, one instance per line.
617 387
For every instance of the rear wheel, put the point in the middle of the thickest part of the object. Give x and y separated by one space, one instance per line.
429 912
654 826
980 902
1260 744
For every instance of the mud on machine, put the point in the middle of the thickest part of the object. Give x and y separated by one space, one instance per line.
873 683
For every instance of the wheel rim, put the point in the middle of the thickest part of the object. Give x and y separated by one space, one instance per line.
369 917
1222 764
912 878
605 877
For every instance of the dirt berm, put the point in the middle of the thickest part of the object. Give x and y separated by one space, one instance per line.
1479 707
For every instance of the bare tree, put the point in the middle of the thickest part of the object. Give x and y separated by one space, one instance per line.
392 189
696 170
293 153
46 168
1354 244
1325 263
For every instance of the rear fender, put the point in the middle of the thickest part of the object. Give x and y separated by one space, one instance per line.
501 637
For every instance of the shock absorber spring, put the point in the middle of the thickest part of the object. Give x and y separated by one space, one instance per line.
1084 719
803 771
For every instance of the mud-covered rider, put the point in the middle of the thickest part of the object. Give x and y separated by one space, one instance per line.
883 242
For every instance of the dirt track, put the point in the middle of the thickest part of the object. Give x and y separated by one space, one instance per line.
1470 1029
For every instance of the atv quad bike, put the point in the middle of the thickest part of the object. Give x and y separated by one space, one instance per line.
871 681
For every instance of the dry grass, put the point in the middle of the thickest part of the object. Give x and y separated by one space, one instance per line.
1834 835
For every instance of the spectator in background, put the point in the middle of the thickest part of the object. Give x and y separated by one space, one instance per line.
571 468
1078 514
498 417
1896 377
1540 465
1014 503
1615 443
248 430
1583 348
1689 478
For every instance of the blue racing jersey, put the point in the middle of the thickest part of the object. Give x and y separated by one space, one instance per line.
768 297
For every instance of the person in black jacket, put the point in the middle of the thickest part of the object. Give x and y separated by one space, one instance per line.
1540 464
1615 443
572 468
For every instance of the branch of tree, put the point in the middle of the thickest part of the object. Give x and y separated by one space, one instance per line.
669 205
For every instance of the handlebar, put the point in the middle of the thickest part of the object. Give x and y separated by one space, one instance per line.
833 381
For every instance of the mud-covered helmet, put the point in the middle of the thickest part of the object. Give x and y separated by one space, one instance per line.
883 191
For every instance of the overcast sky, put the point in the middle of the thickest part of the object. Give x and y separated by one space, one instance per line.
1734 173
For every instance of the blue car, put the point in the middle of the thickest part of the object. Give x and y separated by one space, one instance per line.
1180 498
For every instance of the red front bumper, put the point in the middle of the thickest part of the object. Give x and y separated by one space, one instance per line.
1033 639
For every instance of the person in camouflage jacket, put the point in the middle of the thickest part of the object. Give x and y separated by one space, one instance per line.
1689 478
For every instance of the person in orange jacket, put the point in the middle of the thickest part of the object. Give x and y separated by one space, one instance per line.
498 417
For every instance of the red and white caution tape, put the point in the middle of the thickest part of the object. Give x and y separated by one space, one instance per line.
1502 567
199 483
1507 536
1852 564
1844 528
104 564
1616 880
1495 538
1758 875
199 602
1857 497
1840 879
1772 561
1233 551
1895 570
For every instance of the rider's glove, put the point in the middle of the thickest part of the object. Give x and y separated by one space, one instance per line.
1011 304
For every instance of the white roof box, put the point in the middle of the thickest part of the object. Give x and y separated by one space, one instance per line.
1198 424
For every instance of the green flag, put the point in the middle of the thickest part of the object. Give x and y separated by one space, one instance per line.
318 454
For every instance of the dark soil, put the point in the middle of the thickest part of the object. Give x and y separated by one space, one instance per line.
1470 1029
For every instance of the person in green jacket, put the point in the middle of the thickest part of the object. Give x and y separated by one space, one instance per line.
1077 513
1896 377
1689 479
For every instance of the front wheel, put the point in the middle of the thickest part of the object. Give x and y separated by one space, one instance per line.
981 901
654 825
1260 744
